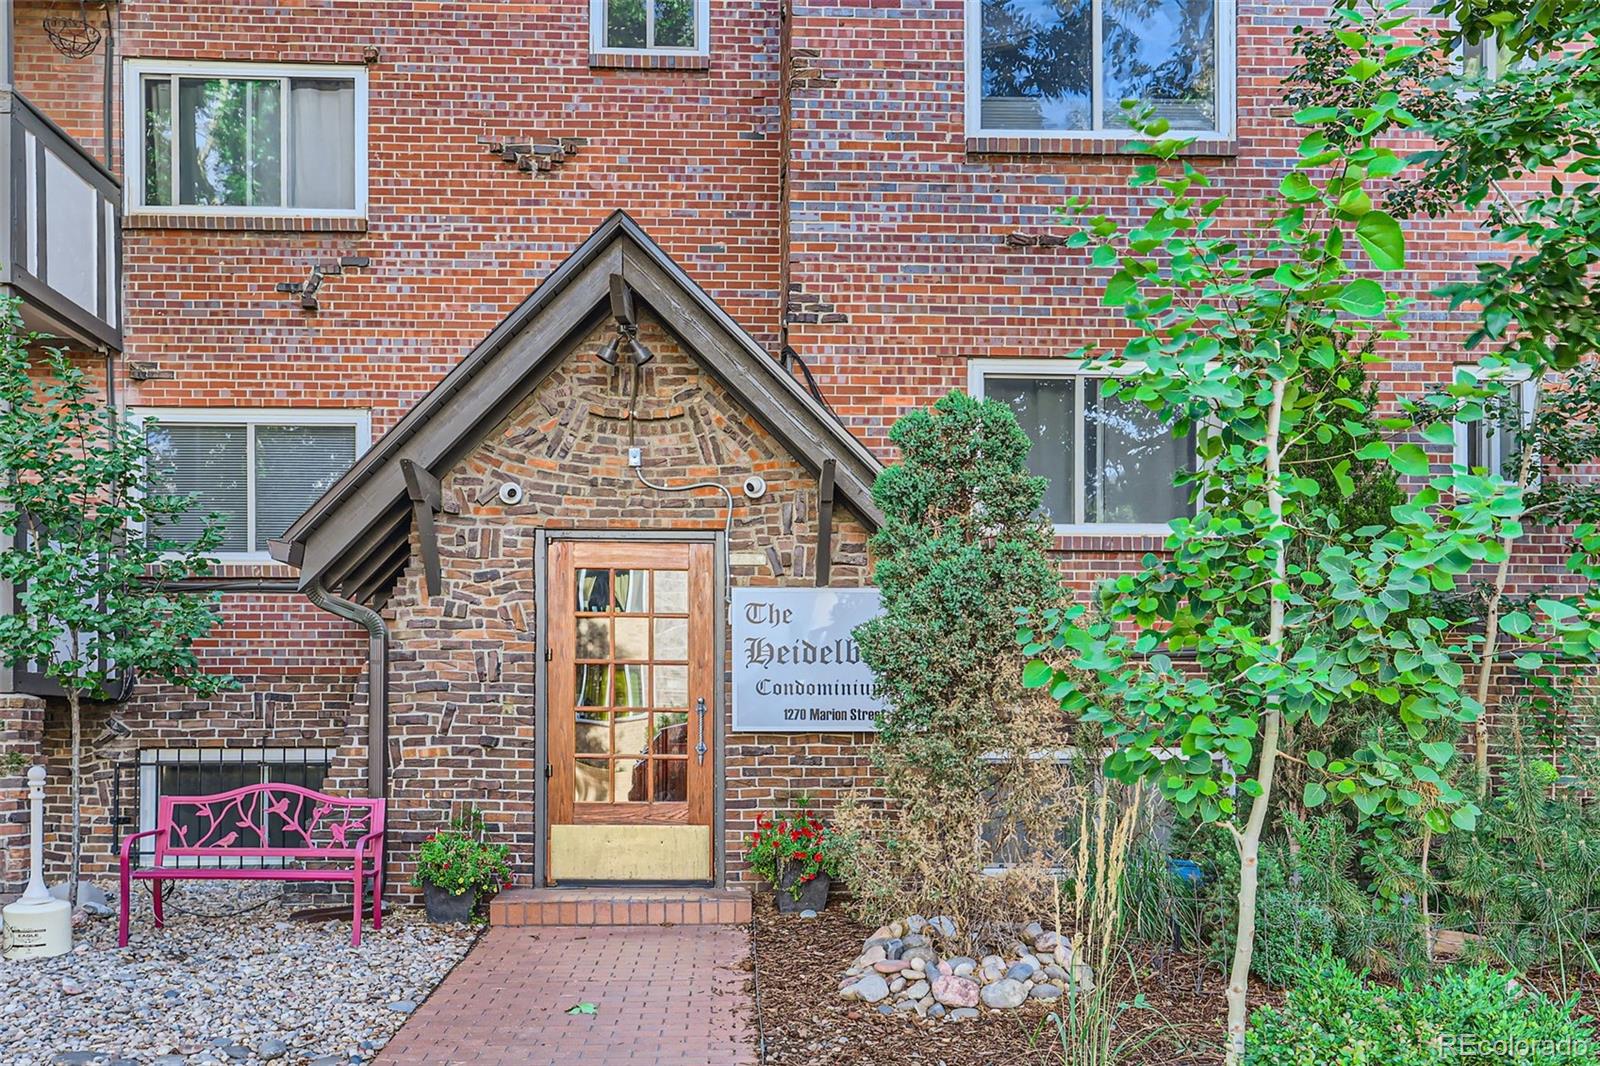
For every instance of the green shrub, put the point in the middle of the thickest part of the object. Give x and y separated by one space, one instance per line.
963 550
1289 930
1463 1017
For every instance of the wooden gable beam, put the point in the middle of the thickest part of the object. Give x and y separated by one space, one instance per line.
825 521
427 499
622 302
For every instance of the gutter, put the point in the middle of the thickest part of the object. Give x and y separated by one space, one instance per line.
377 697
377 679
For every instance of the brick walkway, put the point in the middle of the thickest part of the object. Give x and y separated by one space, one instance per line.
666 996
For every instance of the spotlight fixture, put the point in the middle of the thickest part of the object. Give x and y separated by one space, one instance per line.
641 354
627 335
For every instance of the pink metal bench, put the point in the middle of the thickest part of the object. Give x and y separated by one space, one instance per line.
261 830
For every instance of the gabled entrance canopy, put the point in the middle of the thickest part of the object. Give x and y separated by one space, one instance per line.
355 540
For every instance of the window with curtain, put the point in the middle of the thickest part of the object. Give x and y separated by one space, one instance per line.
1066 65
250 140
1107 461
256 472
649 25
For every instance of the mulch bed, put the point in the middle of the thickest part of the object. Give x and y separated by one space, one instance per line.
803 1021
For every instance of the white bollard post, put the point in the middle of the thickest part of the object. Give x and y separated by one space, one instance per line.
37 926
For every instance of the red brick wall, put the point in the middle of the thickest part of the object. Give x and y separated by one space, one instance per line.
898 266
900 270
21 739
70 91
301 676
456 236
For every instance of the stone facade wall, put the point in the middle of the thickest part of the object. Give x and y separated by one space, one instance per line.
462 689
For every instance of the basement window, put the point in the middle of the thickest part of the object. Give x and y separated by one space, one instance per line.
209 771
1061 68
252 139
256 469
648 27
1109 461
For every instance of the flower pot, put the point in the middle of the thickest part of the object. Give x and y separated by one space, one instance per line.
795 895
448 908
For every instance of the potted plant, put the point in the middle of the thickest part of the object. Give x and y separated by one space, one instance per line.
798 855
457 867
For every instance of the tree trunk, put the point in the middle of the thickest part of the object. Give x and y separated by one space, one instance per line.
1422 893
76 789
1249 839
1491 637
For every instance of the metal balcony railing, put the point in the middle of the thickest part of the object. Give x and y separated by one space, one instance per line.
62 252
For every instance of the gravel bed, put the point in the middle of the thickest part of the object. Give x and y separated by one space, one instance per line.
220 986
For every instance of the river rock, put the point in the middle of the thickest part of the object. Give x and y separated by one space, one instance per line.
956 991
1004 994
871 989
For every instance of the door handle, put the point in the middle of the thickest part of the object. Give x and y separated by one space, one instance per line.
700 714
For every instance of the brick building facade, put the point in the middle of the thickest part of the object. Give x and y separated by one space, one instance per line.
825 176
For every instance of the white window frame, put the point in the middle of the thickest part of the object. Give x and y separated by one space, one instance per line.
978 370
135 70
1226 48
598 14
152 759
1490 58
1527 387
251 417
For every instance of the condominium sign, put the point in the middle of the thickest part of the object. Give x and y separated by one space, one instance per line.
796 666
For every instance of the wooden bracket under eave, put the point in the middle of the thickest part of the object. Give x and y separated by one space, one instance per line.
825 521
427 499
622 302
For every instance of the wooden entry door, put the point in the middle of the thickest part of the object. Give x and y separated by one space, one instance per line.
632 706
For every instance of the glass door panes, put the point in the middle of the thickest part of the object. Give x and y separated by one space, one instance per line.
631 686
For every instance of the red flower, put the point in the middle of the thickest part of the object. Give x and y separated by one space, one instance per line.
816 857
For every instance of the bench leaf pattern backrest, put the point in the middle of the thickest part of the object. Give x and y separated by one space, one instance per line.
266 819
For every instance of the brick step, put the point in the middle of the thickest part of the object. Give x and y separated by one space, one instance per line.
620 906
